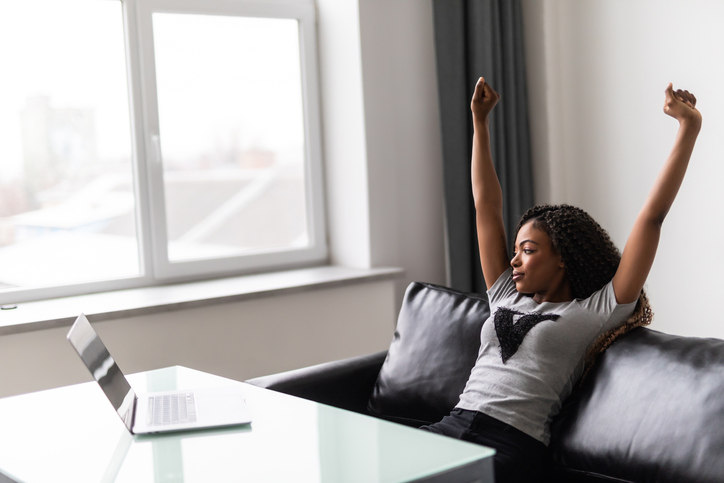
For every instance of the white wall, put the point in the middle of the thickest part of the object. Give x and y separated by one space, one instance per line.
404 149
597 71
382 136
384 193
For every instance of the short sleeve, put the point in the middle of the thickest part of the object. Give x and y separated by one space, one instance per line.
503 288
604 302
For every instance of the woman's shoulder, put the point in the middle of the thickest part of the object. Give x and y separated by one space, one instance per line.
503 288
604 301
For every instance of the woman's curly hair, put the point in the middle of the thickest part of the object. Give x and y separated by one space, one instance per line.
591 260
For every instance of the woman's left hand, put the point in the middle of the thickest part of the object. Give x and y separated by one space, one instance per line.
681 105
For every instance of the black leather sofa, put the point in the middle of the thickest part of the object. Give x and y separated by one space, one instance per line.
651 409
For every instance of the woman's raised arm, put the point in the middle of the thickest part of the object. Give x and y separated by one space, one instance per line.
487 193
640 250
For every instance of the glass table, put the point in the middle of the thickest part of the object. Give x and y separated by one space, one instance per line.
73 434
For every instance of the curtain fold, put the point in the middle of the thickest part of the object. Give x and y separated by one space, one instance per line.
476 38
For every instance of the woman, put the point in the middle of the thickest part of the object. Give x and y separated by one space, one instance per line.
565 291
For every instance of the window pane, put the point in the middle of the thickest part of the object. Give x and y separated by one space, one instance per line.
232 134
67 211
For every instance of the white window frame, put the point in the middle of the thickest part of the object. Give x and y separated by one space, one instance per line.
304 13
147 163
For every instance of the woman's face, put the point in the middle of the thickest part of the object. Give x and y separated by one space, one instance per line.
537 269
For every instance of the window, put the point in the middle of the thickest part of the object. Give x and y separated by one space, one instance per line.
181 142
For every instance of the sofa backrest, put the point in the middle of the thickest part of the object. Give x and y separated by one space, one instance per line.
652 409
433 349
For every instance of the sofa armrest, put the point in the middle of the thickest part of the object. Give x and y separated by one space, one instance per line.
345 384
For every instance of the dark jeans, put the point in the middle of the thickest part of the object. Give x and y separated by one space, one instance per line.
518 457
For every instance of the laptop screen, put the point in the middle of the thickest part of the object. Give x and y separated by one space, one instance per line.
104 369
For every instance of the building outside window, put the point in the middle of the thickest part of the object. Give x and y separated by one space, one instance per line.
148 141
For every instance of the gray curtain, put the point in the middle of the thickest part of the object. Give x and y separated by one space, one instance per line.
476 38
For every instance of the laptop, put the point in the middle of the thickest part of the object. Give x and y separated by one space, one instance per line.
156 412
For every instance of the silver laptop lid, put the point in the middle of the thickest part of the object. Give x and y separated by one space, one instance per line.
104 369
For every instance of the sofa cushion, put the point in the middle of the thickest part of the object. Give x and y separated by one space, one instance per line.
651 410
433 350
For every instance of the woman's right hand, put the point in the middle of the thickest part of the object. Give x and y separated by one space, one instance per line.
484 100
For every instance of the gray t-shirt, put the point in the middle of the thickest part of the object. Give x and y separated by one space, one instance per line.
532 354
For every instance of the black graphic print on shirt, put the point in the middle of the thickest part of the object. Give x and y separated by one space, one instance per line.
510 334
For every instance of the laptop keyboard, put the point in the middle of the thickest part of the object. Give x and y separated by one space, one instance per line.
171 409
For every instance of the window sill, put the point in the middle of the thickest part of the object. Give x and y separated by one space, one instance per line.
61 312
